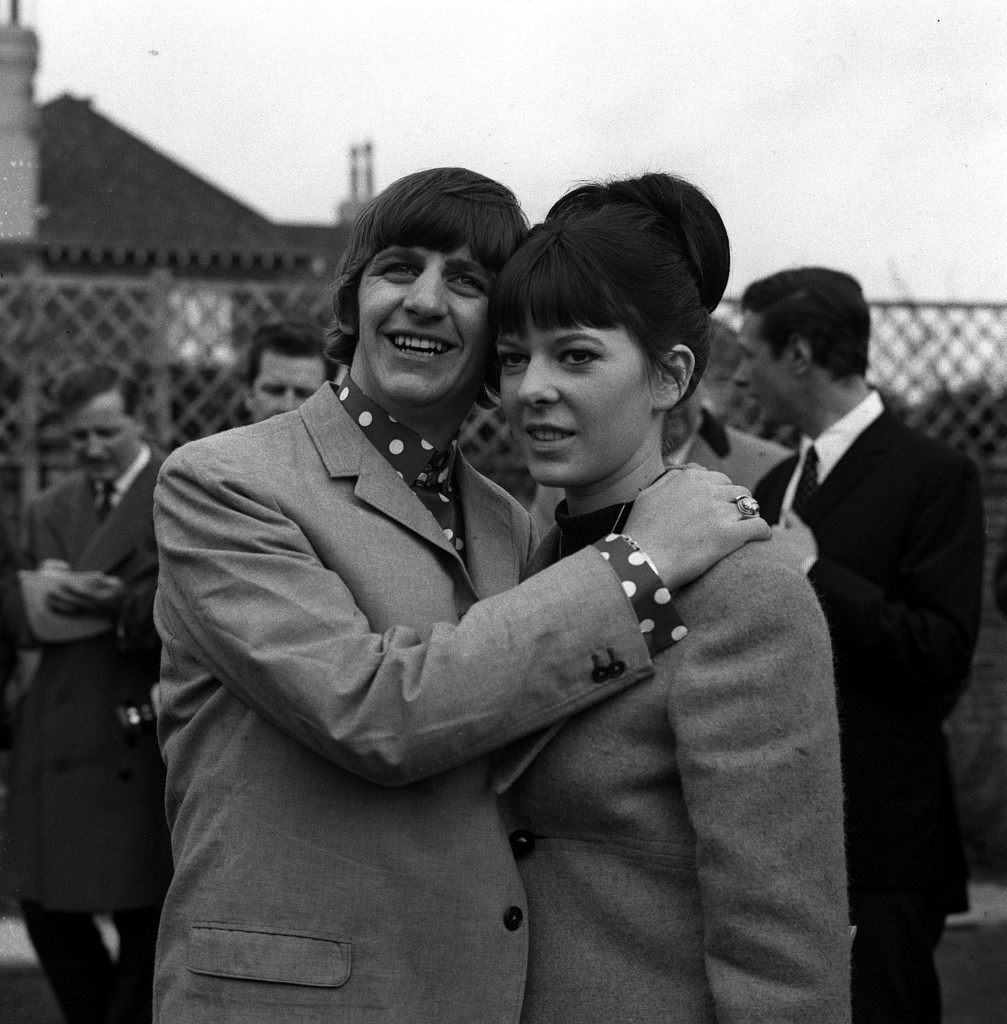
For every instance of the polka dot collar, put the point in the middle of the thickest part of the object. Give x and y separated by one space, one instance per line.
414 459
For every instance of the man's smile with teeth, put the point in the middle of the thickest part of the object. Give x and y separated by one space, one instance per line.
548 433
422 346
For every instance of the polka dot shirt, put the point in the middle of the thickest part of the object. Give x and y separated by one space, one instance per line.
428 472
660 623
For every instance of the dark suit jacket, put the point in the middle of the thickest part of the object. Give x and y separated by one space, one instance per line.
85 827
899 526
10 561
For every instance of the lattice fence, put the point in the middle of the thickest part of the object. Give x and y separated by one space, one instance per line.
942 367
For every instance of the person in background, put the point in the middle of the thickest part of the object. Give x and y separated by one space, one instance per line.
697 430
1000 580
347 638
888 526
10 562
85 831
285 365
681 844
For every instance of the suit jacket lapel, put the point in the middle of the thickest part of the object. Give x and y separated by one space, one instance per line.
850 469
346 452
76 519
129 522
772 487
492 559
545 554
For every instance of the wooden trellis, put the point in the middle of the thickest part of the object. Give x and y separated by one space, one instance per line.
942 366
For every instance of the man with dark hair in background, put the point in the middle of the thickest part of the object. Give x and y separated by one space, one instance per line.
85 831
286 364
888 526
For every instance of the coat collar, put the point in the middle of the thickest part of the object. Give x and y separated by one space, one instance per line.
858 459
346 453
712 431
129 522
545 554
848 471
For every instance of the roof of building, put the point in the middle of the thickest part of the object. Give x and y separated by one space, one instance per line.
109 196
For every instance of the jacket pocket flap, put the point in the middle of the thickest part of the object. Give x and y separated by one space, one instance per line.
229 951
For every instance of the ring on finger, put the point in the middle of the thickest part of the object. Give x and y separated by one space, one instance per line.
747 506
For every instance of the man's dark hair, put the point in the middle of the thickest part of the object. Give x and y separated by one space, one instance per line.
444 208
295 337
826 307
80 385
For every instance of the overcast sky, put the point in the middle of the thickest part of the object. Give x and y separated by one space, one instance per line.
864 135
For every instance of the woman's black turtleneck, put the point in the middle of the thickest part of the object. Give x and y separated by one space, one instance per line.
577 532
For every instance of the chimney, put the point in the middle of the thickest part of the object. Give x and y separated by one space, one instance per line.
18 143
361 183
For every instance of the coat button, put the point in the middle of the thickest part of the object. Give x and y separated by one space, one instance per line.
616 669
126 774
60 766
512 918
600 674
522 842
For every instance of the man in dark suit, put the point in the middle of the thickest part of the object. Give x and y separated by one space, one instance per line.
9 563
85 831
888 526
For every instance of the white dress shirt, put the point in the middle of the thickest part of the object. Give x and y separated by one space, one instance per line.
833 443
123 483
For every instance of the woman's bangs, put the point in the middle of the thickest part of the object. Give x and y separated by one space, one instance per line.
548 285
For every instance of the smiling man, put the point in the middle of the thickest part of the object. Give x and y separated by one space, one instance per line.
347 638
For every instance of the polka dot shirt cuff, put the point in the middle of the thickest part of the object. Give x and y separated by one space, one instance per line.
659 620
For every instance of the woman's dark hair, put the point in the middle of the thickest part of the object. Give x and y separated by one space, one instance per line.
444 209
650 254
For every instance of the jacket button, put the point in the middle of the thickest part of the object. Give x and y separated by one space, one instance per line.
60 766
616 669
126 774
522 842
512 918
600 674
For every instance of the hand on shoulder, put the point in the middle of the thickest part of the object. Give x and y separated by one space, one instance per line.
688 521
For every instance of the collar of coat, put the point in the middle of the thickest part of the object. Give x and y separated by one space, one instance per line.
414 458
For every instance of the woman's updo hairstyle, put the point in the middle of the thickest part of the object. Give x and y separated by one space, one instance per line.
650 254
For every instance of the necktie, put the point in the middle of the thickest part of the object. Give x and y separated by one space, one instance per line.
807 484
103 500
